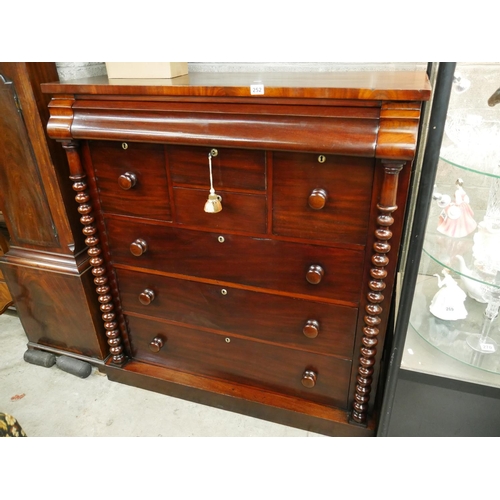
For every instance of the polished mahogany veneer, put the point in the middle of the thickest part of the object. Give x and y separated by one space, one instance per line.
46 266
275 301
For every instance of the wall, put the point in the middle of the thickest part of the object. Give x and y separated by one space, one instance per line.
76 70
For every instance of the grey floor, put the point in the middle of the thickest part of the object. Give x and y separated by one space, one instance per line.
48 402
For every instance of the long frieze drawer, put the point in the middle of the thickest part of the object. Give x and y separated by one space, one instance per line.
232 168
312 270
132 179
323 379
322 197
247 212
302 324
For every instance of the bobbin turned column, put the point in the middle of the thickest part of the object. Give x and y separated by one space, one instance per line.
103 288
378 273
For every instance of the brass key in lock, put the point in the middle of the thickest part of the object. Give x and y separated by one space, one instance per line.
213 205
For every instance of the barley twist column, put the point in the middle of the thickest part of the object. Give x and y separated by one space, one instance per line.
378 273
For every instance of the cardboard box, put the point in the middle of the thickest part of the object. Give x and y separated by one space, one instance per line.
146 69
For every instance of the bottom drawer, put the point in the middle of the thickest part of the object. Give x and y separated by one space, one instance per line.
241 360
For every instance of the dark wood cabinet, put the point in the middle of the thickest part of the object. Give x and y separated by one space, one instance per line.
46 267
5 297
276 305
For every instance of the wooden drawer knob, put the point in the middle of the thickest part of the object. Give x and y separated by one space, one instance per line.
317 199
138 247
127 180
146 297
156 344
311 329
314 274
309 379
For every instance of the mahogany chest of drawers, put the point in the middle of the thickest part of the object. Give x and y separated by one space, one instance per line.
277 304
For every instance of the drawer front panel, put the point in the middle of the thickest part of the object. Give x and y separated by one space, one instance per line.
141 170
262 316
232 168
243 211
258 262
241 360
339 189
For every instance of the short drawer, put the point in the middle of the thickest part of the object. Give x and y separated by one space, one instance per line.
302 324
258 262
327 201
241 360
232 168
132 181
246 212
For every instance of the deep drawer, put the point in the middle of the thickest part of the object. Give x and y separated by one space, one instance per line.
339 189
243 361
257 262
282 320
141 171
232 168
246 212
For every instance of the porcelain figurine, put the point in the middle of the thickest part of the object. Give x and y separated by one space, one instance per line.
457 218
448 303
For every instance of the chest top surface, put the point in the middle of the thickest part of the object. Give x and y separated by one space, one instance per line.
355 113
390 85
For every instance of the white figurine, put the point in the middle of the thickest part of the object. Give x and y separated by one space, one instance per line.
448 303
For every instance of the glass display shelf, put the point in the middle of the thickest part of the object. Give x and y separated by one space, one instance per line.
420 356
457 255
457 299
451 336
475 256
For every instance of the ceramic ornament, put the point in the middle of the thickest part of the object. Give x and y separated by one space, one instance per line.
448 303
457 218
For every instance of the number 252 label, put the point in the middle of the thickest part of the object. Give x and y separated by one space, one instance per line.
257 89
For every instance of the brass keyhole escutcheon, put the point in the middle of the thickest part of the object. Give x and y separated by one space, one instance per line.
223 291
124 145
227 339
214 152
221 239
321 158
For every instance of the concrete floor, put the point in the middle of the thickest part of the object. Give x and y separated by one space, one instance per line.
48 402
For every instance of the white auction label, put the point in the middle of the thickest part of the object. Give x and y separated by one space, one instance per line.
487 347
257 89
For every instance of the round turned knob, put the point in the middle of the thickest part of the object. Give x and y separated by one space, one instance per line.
314 274
138 247
309 379
156 344
317 199
127 180
311 329
146 297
